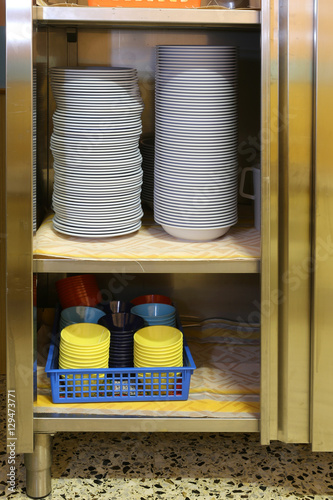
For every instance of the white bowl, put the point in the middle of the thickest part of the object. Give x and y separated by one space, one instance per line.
184 233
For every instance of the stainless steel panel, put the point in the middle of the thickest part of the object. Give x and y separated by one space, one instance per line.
322 366
295 136
196 296
2 232
137 266
59 423
136 48
19 218
146 17
269 221
40 47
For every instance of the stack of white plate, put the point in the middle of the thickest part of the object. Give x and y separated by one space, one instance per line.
147 151
34 151
95 145
195 177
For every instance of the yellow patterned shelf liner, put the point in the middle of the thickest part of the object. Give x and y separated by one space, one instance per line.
151 242
225 384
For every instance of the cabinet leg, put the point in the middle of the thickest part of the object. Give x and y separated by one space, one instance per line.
38 467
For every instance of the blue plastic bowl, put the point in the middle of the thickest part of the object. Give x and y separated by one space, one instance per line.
80 314
154 311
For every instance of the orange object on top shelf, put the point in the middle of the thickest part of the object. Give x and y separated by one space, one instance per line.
160 4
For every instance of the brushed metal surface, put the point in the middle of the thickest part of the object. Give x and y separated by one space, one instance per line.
127 16
58 423
137 266
54 56
269 221
295 135
2 232
322 366
19 326
40 50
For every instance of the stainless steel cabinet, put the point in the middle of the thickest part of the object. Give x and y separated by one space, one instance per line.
37 37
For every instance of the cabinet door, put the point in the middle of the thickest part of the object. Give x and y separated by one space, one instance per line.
19 189
322 364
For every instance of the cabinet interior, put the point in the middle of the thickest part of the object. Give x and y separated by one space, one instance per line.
198 296
132 47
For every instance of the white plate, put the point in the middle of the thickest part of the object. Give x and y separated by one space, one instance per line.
197 112
99 134
168 119
94 148
195 173
73 190
196 200
179 179
96 93
193 214
92 71
167 134
107 201
196 206
192 147
94 82
99 180
98 140
188 223
113 172
95 126
91 117
99 220
133 157
91 233
105 109
196 211
108 160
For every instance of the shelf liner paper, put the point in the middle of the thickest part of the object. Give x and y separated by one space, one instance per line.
151 242
226 383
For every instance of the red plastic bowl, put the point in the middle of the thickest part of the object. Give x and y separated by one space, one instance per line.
78 290
148 299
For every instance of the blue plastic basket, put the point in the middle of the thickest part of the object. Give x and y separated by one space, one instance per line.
117 384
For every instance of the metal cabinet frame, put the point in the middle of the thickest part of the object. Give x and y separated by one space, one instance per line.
286 116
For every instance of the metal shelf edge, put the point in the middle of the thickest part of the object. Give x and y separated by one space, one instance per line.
105 15
245 266
49 423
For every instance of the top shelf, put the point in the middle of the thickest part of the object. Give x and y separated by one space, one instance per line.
142 16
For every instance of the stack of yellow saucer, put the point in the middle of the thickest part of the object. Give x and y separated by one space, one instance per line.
158 346
84 345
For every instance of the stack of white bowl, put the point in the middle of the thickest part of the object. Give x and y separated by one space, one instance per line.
195 177
95 145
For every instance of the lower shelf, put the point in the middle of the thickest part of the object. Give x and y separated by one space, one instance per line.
224 391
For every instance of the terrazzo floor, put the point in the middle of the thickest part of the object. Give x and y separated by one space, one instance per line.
177 466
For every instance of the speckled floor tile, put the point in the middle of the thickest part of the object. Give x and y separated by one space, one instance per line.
176 466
